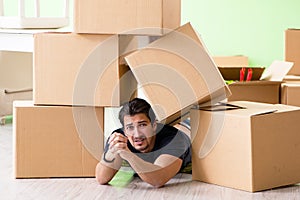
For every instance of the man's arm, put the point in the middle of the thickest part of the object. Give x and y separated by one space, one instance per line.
105 171
110 162
157 174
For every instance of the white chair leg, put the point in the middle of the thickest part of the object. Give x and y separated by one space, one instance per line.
37 8
67 2
1 8
21 8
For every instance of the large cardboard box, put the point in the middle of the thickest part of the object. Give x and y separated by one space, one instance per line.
252 148
257 91
82 69
290 94
175 72
56 141
292 49
147 17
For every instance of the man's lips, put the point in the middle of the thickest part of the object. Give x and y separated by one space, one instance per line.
139 141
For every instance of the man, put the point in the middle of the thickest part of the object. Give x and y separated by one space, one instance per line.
155 152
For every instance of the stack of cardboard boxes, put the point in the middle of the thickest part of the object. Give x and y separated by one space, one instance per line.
291 87
102 64
78 74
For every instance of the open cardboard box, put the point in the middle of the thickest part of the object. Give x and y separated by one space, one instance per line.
175 72
265 85
246 145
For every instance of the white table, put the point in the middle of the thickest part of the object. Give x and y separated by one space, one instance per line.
21 40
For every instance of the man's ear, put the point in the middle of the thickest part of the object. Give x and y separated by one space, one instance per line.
154 125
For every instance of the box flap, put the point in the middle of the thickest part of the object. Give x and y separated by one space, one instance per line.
285 108
242 108
277 71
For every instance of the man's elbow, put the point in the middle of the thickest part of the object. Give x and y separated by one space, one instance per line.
157 183
102 180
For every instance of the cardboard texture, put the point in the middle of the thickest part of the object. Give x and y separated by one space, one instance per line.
7 96
56 141
257 91
292 49
253 148
231 61
175 72
291 79
290 94
146 17
82 69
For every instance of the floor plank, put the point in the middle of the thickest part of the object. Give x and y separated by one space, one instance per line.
181 187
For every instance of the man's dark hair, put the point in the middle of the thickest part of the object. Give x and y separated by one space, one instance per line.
136 106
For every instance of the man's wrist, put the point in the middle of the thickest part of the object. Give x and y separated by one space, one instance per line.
108 158
126 155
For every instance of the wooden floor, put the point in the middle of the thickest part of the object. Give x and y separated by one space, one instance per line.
180 187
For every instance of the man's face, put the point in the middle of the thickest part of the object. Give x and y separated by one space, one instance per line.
140 132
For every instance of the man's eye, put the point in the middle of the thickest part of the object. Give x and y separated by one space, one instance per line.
143 125
130 127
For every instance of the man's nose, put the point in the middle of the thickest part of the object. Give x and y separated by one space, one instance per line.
136 131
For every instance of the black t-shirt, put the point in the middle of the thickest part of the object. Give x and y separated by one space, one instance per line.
169 140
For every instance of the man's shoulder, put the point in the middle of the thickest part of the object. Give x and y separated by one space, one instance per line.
164 128
119 130
167 130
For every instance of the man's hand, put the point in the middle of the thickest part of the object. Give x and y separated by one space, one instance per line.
117 142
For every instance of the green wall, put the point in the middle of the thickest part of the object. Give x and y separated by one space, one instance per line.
254 28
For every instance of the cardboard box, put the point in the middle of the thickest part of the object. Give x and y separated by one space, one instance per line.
231 61
146 17
264 86
291 79
7 96
292 49
82 69
290 94
253 148
56 141
16 69
175 72
257 91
